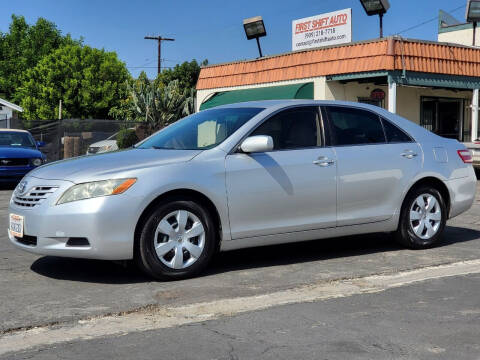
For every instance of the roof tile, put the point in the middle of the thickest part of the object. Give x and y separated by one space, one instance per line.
414 55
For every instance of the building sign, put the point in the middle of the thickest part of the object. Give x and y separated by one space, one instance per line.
377 94
322 30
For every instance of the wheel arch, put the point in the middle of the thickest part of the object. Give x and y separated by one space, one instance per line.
179 194
436 183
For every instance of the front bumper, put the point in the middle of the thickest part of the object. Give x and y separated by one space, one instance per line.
14 173
107 222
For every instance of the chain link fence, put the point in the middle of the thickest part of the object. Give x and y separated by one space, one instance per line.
72 137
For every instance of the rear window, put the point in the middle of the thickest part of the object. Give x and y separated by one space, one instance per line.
352 126
394 134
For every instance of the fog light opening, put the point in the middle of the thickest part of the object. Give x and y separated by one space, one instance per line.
78 241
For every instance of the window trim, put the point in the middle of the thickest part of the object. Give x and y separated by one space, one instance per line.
331 132
320 128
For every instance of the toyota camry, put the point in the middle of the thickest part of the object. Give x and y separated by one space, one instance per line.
245 175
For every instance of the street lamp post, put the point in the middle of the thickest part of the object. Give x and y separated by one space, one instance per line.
255 29
473 15
376 7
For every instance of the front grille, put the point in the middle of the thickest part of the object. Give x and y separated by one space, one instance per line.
27 240
34 196
14 162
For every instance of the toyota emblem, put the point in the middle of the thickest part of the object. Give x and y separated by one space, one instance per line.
22 187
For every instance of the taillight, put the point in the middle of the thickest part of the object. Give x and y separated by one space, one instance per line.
466 156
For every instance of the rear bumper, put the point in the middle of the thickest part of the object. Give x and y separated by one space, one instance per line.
462 193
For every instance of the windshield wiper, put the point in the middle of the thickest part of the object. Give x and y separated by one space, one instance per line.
160 148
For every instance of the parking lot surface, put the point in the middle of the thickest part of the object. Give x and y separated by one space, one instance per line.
39 291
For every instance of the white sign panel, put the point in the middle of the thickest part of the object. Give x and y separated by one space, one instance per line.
322 30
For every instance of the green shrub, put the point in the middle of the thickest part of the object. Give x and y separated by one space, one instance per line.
126 138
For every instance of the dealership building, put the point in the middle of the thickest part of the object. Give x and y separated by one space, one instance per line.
435 84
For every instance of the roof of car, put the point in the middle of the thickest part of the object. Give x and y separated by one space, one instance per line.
13 130
289 102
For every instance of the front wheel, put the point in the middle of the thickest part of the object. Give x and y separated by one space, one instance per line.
177 241
422 219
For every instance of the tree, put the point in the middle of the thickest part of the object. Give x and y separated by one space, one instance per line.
23 47
186 74
125 110
88 81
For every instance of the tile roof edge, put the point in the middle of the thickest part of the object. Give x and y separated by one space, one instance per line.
371 41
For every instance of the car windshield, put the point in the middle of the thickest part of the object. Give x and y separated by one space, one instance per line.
201 131
16 139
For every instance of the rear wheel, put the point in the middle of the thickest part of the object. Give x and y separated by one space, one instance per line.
177 241
422 219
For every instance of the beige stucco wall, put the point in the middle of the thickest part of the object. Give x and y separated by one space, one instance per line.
408 97
462 37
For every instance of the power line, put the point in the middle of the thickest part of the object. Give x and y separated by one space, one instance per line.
427 21
148 67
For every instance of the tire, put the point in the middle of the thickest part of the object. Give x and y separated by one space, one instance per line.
410 232
167 252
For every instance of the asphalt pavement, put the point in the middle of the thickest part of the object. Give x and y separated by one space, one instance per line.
41 291
438 319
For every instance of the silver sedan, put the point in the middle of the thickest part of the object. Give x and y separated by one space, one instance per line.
244 175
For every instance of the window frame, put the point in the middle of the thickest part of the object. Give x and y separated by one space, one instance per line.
331 133
383 119
320 123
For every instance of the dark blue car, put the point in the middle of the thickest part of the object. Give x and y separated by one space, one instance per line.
18 154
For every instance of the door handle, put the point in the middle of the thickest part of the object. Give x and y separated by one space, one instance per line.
409 154
324 161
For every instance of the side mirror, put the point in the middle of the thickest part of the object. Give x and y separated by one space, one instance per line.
258 143
40 144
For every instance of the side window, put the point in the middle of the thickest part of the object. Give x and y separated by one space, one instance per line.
354 126
292 129
394 134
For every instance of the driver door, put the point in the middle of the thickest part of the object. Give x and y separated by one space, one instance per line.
291 188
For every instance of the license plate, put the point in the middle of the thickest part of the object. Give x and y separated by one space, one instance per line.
16 225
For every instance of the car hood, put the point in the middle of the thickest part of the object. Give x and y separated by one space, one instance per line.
103 143
102 166
19 152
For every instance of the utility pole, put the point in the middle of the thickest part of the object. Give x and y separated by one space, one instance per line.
159 40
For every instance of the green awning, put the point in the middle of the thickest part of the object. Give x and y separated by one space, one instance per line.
295 91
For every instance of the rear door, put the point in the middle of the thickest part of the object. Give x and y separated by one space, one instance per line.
292 188
375 163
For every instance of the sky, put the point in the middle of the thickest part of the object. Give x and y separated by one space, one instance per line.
212 29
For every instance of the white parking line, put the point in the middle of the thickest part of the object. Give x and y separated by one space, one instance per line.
166 316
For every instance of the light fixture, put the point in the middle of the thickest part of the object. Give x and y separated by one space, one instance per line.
255 29
376 7
472 15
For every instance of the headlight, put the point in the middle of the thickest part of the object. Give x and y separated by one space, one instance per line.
96 189
105 148
37 162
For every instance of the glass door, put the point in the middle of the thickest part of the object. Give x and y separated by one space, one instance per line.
443 116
